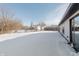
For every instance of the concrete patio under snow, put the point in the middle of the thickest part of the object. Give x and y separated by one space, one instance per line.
37 44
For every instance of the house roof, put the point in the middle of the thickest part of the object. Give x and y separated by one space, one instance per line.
72 8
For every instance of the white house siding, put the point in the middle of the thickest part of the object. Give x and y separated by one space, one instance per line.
66 27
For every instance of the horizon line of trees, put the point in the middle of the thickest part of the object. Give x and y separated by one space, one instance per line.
9 23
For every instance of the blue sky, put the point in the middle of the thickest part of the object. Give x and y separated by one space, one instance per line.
50 13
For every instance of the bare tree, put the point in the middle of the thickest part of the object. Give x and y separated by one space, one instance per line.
5 15
7 21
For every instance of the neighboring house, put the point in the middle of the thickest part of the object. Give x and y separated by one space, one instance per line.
69 25
38 27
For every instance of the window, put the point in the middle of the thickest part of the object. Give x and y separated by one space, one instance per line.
75 32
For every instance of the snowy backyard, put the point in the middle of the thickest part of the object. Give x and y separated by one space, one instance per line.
44 43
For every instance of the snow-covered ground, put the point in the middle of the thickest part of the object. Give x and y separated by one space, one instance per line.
10 36
44 43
